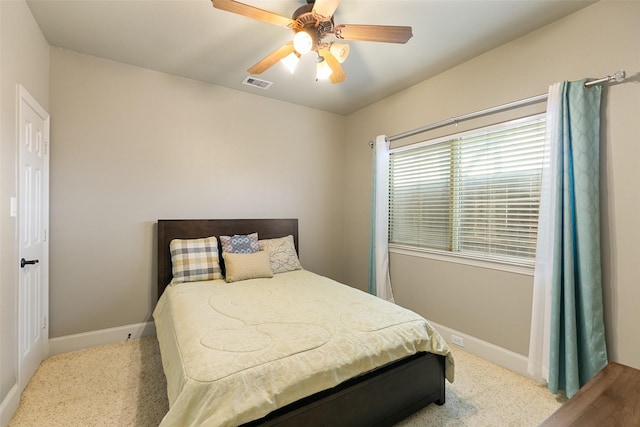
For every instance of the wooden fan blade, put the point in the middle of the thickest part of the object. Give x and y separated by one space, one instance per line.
374 33
253 12
271 59
325 8
337 75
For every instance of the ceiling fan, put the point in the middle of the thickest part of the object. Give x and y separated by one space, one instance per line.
311 24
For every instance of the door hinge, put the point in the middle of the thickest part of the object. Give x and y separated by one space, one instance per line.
44 235
46 147
44 326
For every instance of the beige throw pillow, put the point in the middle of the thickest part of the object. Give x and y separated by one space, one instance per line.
246 266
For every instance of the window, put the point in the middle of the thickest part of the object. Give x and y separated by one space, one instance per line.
474 194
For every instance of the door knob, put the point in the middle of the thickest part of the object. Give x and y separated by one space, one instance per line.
24 262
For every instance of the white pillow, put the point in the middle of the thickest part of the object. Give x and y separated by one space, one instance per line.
282 254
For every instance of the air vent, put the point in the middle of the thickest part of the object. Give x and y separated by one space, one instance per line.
252 81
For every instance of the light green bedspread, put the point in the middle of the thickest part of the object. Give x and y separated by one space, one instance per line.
234 352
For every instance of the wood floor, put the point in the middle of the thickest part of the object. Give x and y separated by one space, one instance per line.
611 398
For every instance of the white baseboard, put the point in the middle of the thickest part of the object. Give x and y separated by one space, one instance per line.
9 405
101 337
500 356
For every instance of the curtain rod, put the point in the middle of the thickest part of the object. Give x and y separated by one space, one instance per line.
618 77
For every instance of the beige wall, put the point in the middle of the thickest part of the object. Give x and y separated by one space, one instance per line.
24 59
130 146
491 305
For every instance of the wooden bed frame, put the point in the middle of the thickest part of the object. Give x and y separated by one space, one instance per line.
379 398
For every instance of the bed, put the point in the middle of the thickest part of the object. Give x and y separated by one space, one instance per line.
214 338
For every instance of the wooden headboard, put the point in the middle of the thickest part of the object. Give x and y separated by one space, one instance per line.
169 229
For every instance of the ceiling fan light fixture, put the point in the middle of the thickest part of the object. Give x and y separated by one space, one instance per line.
302 42
323 70
291 61
311 23
340 51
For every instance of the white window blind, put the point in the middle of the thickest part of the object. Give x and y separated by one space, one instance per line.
474 194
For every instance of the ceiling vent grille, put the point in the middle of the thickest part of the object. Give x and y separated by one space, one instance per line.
252 81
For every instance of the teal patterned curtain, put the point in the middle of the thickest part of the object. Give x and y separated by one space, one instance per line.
568 271
373 286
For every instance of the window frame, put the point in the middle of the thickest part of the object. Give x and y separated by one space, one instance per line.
502 263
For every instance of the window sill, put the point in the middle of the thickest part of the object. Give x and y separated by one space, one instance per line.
516 268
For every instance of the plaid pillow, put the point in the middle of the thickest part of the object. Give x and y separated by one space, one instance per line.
194 260
240 244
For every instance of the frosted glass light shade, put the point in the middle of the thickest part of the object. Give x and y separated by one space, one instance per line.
340 51
323 71
291 61
302 42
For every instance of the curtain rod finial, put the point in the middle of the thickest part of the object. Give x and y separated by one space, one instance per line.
619 76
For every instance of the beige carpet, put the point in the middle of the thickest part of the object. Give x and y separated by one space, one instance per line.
123 385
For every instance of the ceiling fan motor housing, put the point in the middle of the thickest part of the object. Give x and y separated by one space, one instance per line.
317 28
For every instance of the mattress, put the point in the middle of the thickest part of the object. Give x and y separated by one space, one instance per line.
234 352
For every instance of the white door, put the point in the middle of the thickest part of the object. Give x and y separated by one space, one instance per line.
33 223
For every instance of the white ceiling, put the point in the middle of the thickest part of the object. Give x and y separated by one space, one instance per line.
190 38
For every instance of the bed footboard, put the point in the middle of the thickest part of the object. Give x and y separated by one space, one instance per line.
380 398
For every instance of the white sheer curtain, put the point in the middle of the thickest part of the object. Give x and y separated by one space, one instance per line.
379 278
541 309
